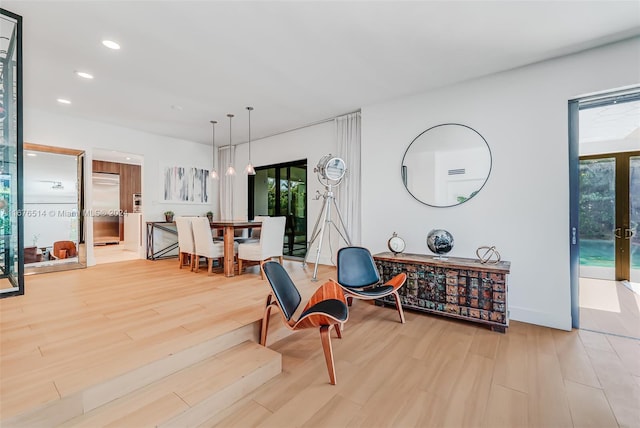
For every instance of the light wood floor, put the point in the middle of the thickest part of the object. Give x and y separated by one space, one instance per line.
73 328
113 253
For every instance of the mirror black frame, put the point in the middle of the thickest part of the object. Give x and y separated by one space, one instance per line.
403 167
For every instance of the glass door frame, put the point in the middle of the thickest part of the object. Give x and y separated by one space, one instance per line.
277 167
622 239
12 129
573 109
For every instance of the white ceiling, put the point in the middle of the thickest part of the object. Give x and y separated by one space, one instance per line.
295 62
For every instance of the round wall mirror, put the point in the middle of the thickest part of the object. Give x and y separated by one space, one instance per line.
446 165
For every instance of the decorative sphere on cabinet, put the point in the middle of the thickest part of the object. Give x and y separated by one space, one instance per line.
440 241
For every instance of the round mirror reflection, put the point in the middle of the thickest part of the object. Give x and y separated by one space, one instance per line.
446 165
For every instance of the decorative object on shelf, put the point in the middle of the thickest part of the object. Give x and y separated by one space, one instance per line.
440 242
210 216
465 162
396 244
230 169
168 216
213 173
250 170
488 255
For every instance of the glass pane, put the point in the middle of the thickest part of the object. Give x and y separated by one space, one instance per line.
298 186
264 195
293 198
634 216
597 218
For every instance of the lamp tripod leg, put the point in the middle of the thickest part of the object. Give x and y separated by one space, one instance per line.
313 235
327 219
345 237
325 216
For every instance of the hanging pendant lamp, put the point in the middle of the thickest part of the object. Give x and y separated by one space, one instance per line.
230 169
213 174
250 170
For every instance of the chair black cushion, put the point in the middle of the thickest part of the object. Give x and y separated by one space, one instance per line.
381 291
333 307
356 267
283 288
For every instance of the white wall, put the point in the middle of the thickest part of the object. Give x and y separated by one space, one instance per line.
60 130
309 143
524 208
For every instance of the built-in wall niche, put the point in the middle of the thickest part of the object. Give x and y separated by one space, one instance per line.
53 211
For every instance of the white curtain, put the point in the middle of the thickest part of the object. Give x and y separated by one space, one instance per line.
349 149
225 157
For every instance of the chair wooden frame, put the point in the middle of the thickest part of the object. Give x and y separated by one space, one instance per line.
365 284
316 313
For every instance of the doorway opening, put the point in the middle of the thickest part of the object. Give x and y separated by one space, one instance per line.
281 190
117 206
608 214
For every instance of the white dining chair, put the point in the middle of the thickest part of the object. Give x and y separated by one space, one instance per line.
254 236
205 246
186 244
267 247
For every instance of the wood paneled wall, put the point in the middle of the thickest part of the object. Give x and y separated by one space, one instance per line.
130 183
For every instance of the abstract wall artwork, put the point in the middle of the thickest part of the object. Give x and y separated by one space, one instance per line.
185 184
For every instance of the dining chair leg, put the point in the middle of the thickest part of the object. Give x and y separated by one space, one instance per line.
399 306
338 331
239 266
328 352
210 265
196 263
265 322
261 269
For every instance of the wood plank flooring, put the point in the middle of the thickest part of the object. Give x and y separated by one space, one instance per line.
75 328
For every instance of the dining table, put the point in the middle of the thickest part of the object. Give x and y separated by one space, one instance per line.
229 227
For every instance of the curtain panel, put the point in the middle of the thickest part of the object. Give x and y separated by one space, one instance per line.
349 192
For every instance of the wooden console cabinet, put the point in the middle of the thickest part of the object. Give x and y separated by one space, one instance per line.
457 287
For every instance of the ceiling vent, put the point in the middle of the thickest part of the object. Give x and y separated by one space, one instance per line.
459 171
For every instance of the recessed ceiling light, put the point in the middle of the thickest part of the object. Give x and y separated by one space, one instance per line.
128 158
111 44
63 101
32 154
84 74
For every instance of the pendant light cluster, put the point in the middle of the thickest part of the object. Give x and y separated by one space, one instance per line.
250 170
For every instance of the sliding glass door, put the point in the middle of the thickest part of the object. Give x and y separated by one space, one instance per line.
609 216
281 190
